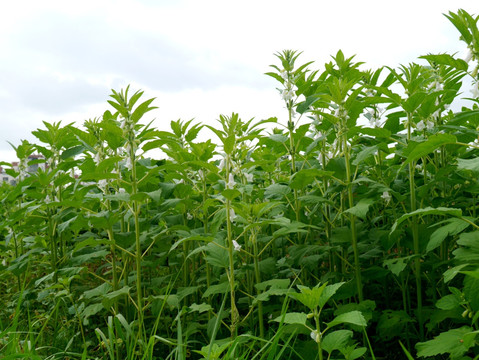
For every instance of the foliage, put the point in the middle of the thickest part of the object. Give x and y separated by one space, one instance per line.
351 231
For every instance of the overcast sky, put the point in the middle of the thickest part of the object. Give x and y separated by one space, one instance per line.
200 59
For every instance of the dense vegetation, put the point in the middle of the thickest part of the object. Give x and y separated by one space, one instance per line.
351 231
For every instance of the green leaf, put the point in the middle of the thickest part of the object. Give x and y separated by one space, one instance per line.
432 143
292 318
427 211
361 209
309 297
230 194
353 317
336 340
397 265
468 164
200 308
446 59
71 152
328 292
110 298
454 227
305 177
448 302
222 288
449 342
364 154
141 110
274 284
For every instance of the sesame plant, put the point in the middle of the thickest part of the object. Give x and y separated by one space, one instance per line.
347 228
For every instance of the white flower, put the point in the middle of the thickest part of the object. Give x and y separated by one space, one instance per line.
222 164
47 200
201 174
4 262
284 75
121 190
468 56
475 90
231 182
287 95
293 113
316 336
97 158
102 184
420 125
232 215
248 177
374 122
129 164
189 216
236 245
429 125
386 196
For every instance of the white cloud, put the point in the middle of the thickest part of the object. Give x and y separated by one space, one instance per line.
200 58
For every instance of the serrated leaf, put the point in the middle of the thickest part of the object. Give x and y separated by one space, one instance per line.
336 340
449 342
292 318
448 302
468 164
361 209
454 227
222 288
309 297
305 177
431 144
353 317
427 211
200 308
397 265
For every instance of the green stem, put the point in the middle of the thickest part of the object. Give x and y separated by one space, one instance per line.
231 272
415 236
352 219
258 280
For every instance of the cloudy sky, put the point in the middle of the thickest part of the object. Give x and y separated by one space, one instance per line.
200 59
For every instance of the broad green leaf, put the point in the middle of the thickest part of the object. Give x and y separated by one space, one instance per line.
448 302
336 340
277 191
222 288
72 152
110 298
431 144
100 290
446 59
230 194
427 211
449 342
361 209
309 297
449 274
454 227
468 164
328 292
397 265
353 317
305 177
274 284
364 154
200 308
292 318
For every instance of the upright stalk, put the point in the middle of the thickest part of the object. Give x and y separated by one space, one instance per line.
231 272
352 219
415 236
